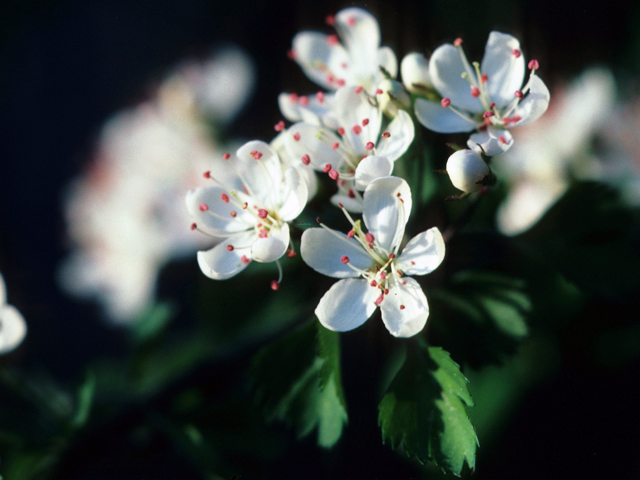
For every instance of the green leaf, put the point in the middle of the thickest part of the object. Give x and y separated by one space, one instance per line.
424 411
490 307
297 379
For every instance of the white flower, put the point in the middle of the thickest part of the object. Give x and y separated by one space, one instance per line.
248 207
488 97
467 170
392 97
13 328
355 61
373 272
360 152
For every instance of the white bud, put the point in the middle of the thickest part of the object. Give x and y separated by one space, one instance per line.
393 97
415 71
466 170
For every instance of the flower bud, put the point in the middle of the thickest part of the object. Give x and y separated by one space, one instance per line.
467 170
393 97
415 72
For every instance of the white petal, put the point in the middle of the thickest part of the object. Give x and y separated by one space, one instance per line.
273 247
534 104
351 109
401 133
262 176
314 112
295 195
317 58
505 70
490 141
353 205
13 328
387 59
387 205
370 168
347 305
309 143
436 118
323 250
423 253
217 220
445 69
414 70
360 33
405 308
219 263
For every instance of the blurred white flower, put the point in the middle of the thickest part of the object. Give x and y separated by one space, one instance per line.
126 217
539 165
467 170
13 328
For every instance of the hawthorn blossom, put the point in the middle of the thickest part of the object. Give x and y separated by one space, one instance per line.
373 273
249 207
13 328
356 61
360 151
487 97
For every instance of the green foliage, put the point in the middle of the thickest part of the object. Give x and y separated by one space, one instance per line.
490 307
297 379
424 411
588 236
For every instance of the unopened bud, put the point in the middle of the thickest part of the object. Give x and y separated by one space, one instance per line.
415 72
467 170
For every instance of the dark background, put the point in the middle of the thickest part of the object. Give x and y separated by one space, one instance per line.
67 66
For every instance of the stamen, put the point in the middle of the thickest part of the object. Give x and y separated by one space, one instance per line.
304 101
516 53
278 127
369 146
350 233
445 102
244 259
306 160
262 213
332 40
203 207
320 97
373 283
358 89
351 194
256 155
519 94
226 156
344 259
230 248
379 300
207 174
534 65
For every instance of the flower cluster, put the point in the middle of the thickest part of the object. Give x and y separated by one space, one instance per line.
351 134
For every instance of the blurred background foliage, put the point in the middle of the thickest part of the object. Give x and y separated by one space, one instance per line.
544 324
